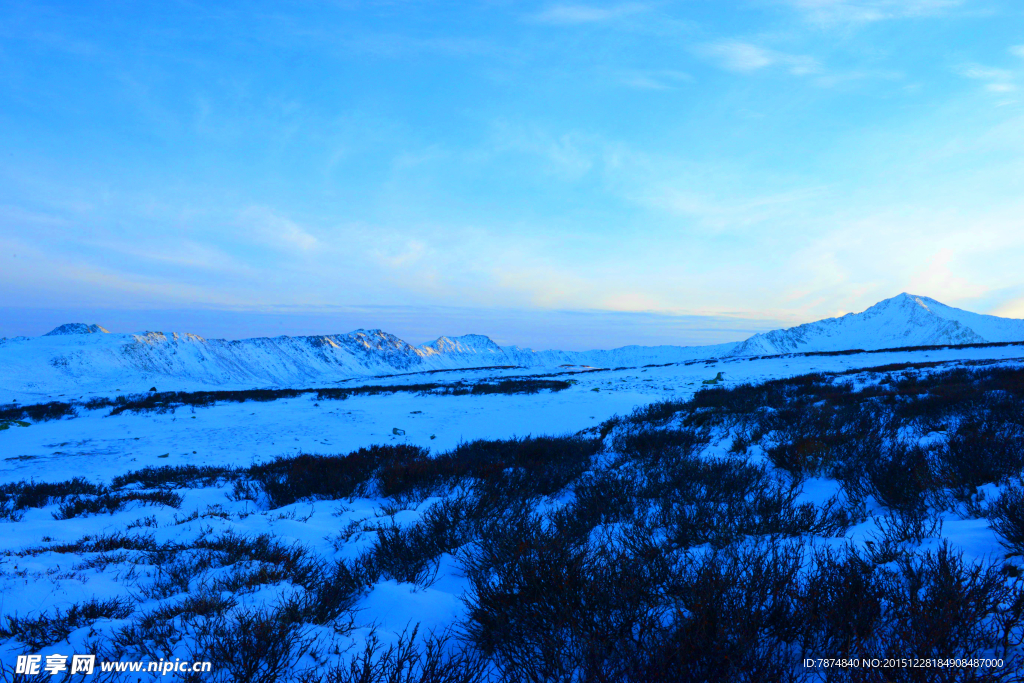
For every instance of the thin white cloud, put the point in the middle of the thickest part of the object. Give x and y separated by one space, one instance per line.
867 11
1017 51
402 255
983 73
276 230
724 214
744 57
569 156
654 80
737 56
996 80
587 14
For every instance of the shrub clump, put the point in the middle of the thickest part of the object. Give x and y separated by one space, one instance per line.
110 503
20 496
38 632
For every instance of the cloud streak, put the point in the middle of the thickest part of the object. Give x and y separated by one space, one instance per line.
664 79
568 15
276 230
996 80
832 12
743 57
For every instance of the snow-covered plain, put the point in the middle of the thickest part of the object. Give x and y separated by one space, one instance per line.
98 447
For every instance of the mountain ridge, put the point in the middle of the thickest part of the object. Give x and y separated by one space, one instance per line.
77 356
75 328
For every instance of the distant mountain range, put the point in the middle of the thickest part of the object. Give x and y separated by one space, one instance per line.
80 357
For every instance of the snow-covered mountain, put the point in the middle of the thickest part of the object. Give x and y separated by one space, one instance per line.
74 328
904 320
477 350
79 357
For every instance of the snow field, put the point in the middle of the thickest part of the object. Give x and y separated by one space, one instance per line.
46 567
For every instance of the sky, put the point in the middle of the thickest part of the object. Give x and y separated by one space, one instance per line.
555 175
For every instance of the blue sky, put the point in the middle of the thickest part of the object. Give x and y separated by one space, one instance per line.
564 174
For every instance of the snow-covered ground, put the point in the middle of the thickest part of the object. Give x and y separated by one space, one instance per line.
98 447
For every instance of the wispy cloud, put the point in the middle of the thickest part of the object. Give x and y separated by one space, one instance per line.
654 80
745 57
866 11
569 156
996 80
1018 51
983 73
276 230
719 215
401 254
587 14
397 45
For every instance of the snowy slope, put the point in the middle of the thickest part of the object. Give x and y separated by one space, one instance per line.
992 328
904 320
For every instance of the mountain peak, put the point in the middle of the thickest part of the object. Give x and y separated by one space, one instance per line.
900 321
467 343
75 328
902 300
